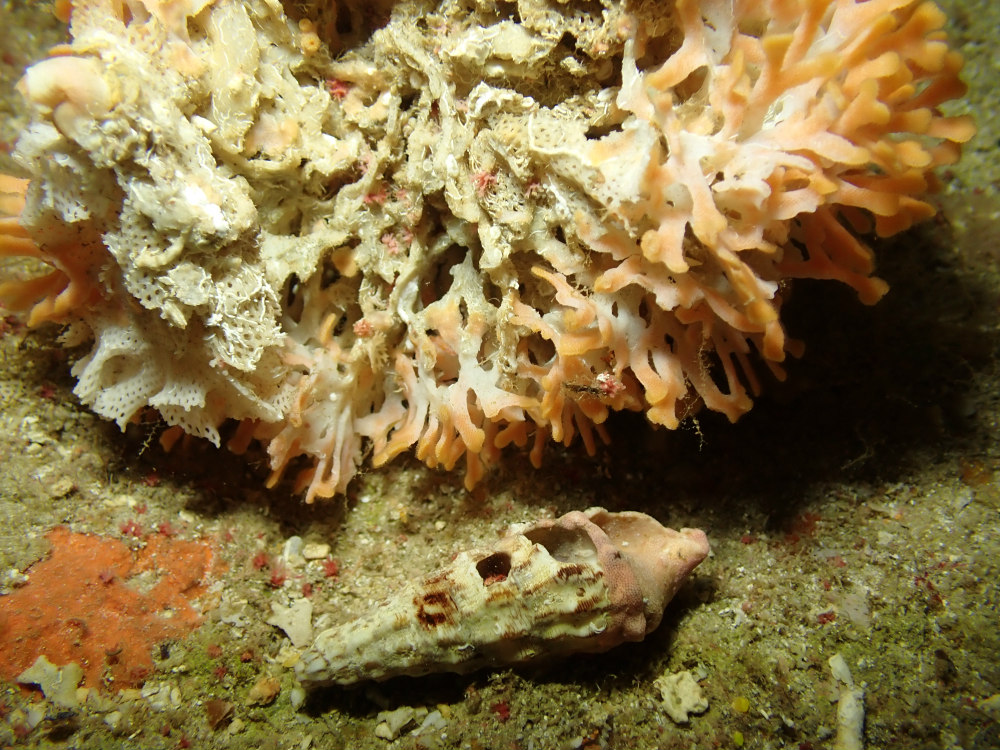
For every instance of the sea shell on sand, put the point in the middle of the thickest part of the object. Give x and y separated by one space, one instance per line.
582 583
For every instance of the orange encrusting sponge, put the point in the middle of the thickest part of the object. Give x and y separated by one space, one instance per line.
103 606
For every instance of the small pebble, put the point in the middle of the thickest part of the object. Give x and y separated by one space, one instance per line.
291 552
61 487
264 691
681 695
218 712
295 620
58 683
315 551
392 723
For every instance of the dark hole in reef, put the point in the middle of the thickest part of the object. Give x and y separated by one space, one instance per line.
540 350
330 274
508 11
595 132
495 567
62 726
438 278
658 50
340 326
645 309
568 41
344 24
798 244
407 100
294 301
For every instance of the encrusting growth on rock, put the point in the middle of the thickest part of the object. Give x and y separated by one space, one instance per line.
85 605
582 583
448 228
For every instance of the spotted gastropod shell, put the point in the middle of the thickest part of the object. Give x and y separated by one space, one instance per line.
582 583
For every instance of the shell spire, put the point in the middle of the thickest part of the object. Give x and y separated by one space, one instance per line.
582 583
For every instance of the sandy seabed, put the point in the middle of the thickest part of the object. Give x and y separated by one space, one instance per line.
854 511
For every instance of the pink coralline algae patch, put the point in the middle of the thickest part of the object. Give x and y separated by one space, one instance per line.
95 602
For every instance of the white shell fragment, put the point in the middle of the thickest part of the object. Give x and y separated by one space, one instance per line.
582 583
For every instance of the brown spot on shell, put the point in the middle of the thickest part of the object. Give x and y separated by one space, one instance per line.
435 608
440 598
564 573
570 570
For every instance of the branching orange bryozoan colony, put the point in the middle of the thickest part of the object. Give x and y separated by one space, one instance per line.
399 225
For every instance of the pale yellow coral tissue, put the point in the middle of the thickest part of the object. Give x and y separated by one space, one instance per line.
352 230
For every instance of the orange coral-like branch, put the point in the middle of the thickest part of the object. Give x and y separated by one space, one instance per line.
811 100
751 144
782 128
76 262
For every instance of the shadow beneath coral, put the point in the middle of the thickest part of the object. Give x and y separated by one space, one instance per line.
879 391
221 482
366 699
